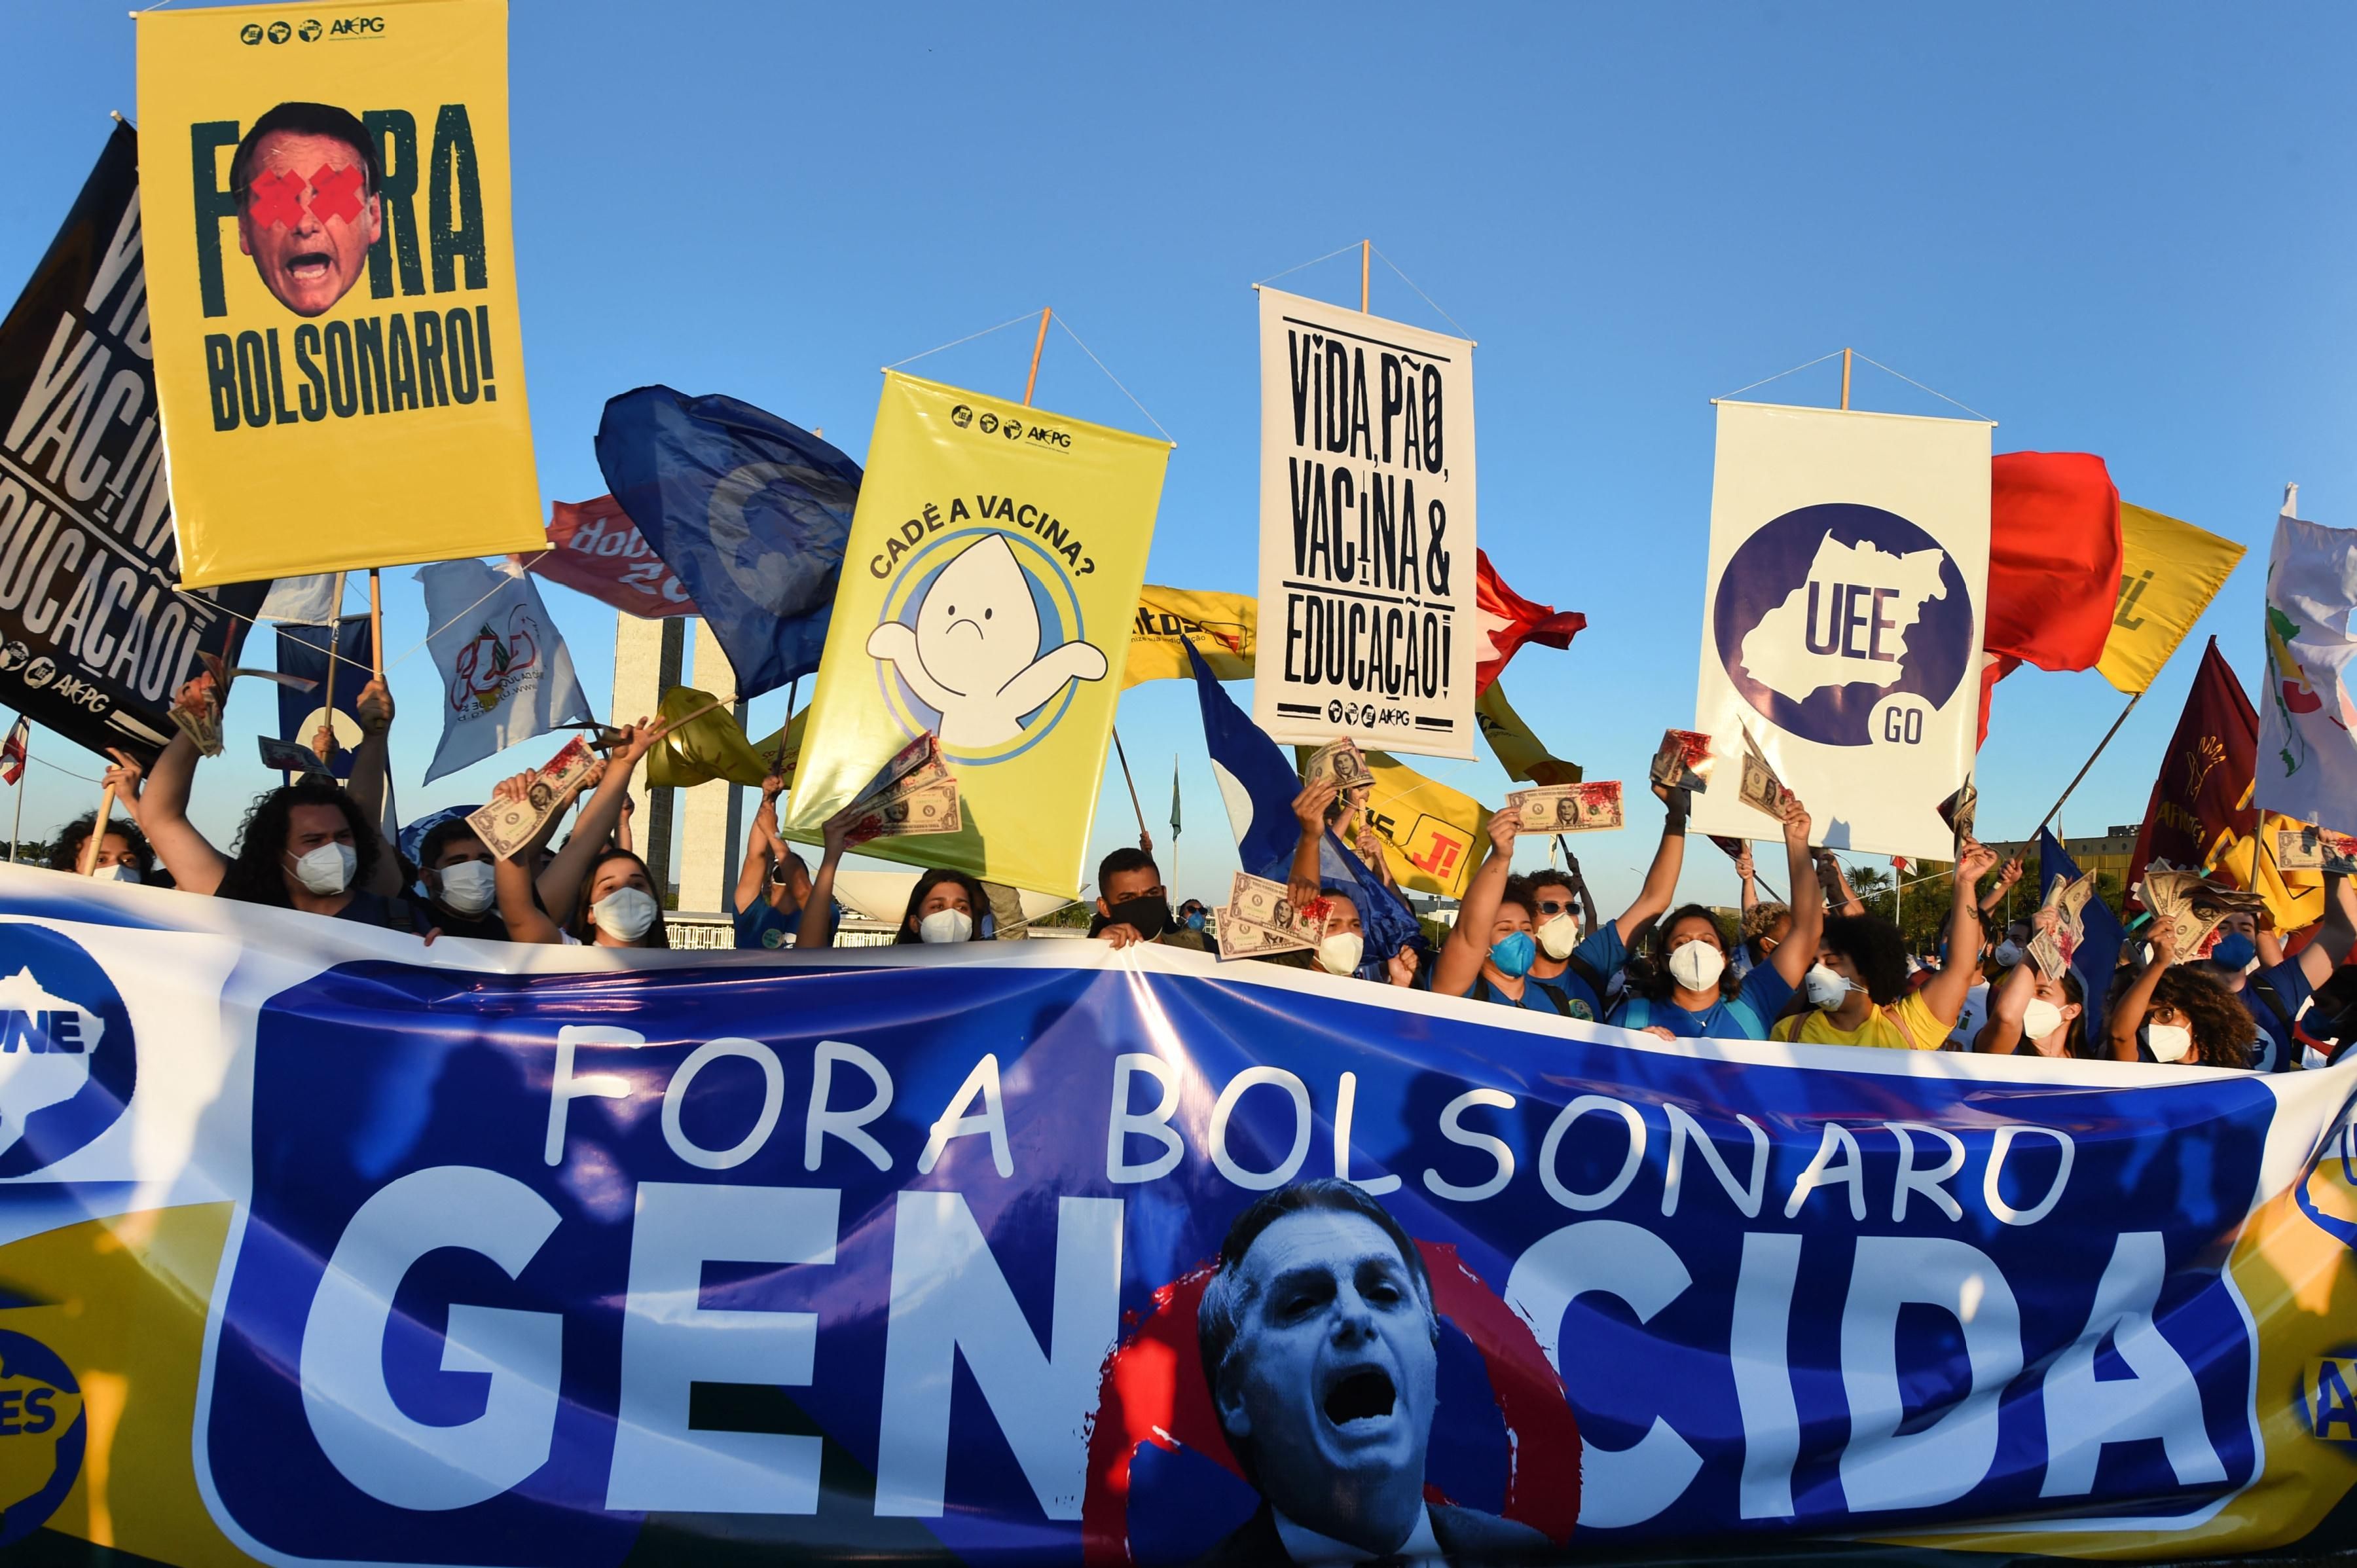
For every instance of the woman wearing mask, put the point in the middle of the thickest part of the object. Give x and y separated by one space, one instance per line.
2173 1013
944 906
1685 989
1857 990
1344 947
2033 1014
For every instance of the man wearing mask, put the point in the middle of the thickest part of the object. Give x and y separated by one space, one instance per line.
461 886
2275 989
1857 990
124 852
1582 969
1132 905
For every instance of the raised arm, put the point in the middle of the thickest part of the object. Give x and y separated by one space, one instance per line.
1468 940
1662 876
760 846
1747 871
1797 950
1838 893
127 779
2330 948
526 921
816 928
2120 1028
195 865
366 786
1944 993
1303 881
2008 1004
2006 877
561 883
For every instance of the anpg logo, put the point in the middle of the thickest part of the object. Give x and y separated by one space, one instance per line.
67 1063
41 1434
1843 624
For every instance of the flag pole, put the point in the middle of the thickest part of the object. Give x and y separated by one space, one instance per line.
90 846
1845 380
326 702
376 626
1366 259
1134 806
2075 778
793 691
1039 347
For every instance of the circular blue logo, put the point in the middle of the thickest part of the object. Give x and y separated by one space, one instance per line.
1833 613
68 1064
41 1434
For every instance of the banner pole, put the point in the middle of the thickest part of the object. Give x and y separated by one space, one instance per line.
376 626
90 847
16 831
1134 806
2075 778
1039 347
793 691
1366 259
327 701
1845 380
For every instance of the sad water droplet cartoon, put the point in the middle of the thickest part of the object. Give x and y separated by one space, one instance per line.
975 653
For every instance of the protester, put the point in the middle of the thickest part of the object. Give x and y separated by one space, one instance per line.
946 906
461 881
2247 960
1132 905
1765 922
2049 1011
124 852
1684 988
610 897
1342 950
1857 990
2170 1011
834 838
773 883
1193 915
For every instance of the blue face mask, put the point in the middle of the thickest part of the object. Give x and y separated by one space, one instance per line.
1515 954
2234 951
1195 920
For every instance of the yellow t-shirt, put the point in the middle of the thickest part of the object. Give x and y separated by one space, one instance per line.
1907 1025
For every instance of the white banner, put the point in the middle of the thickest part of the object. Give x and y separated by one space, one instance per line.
2307 725
1366 530
505 674
1842 619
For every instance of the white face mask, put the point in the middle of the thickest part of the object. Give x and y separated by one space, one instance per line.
327 870
1557 935
1696 965
1824 987
624 913
1340 953
466 886
2040 1018
2167 1042
118 872
2008 953
946 925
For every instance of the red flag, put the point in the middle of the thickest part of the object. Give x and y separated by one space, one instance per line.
2205 785
1506 620
2054 564
595 549
12 755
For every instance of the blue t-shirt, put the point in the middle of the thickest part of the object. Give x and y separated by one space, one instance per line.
1603 954
2277 1051
1745 1016
759 925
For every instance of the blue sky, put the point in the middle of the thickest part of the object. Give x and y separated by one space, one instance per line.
2113 228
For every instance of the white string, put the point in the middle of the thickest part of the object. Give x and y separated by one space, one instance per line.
1781 374
67 771
1327 257
1100 364
1918 386
967 338
1421 295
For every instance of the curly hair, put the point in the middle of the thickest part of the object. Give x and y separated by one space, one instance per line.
1649 970
1875 948
1761 917
1518 892
66 848
256 873
2221 1025
977 899
584 926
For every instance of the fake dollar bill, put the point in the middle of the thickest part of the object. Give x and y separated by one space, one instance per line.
1340 761
2311 848
1684 761
1959 809
508 825
1759 788
2192 906
1266 906
930 810
1568 808
2057 941
288 758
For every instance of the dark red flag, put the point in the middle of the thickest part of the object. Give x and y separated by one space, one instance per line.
2204 784
1506 620
2054 564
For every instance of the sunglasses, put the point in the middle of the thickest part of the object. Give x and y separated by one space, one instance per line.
1557 907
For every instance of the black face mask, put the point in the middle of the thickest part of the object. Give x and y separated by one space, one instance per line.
1148 917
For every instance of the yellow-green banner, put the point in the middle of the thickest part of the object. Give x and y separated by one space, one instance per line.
1431 835
1518 750
2169 571
331 286
989 590
1221 626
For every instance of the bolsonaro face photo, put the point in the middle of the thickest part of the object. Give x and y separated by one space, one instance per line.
306 179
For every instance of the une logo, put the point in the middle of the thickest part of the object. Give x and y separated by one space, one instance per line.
41 1434
67 1061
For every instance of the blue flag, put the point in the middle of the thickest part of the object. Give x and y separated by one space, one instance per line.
749 512
2100 935
1258 784
302 650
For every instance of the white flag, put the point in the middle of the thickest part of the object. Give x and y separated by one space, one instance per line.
2308 723
505 675
304 601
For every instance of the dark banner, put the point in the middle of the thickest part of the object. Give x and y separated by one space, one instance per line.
94 631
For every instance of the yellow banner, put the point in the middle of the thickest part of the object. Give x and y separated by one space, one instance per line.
1221 626
2169 571
1431 834
989 589
1521 753
331 286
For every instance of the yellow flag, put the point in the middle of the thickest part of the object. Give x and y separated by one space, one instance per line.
1518 751
2169 571
2294 898
331 286
988 592
1432 835
1221 626
712 744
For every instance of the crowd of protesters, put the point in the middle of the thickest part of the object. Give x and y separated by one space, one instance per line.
1818 970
